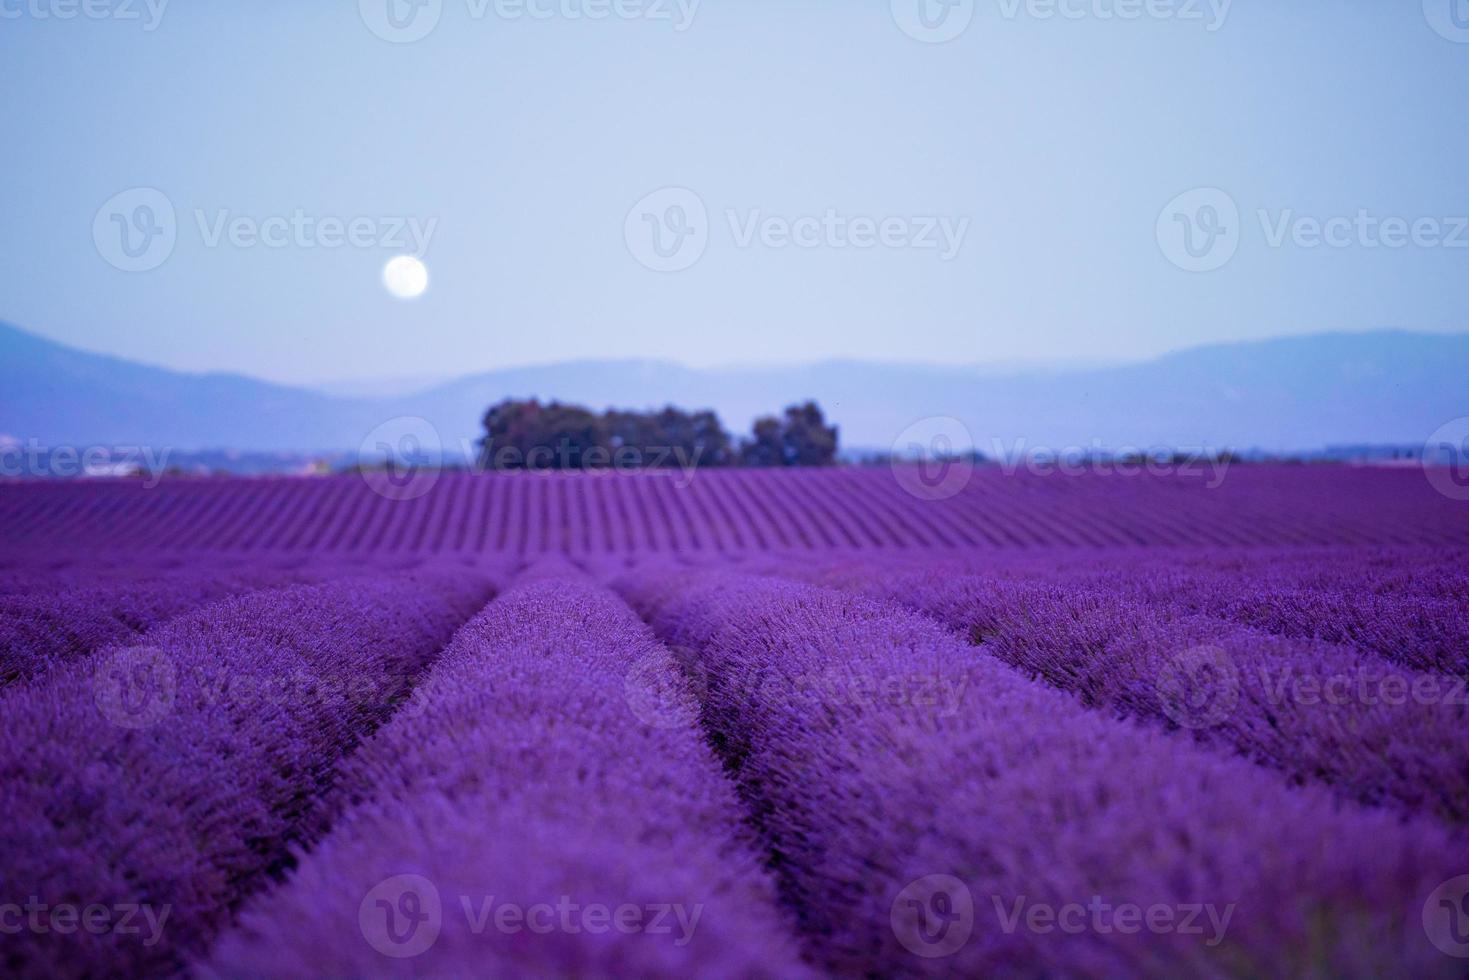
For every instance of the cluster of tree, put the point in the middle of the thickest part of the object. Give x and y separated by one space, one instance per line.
532 435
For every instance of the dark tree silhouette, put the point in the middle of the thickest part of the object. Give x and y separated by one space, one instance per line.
800 438
532 435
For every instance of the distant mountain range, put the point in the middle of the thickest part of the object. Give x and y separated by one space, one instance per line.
1297 393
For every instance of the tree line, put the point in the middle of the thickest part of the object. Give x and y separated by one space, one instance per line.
529 434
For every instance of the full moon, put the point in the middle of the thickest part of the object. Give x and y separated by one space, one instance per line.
405 277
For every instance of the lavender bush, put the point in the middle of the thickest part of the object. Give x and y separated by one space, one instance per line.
41 627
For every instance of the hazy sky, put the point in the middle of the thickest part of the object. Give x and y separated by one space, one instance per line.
1004 194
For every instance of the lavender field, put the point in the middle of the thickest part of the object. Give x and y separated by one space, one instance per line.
774 723
622 489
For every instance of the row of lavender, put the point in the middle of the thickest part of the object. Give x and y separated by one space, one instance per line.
730 511
63 611
1240 652
1409 605
46 620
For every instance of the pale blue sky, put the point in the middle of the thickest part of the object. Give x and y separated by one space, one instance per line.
528 141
